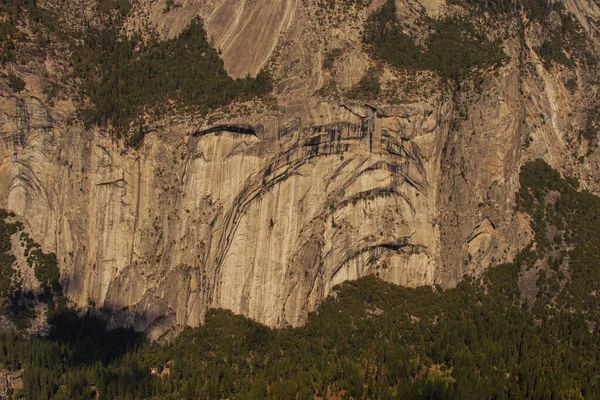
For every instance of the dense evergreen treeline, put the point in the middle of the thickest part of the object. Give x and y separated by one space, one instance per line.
7 285
564 43
453 48
566 231
15 304
15 15
534 9
481 340
125 76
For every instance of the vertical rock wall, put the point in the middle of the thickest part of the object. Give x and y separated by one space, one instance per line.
263 209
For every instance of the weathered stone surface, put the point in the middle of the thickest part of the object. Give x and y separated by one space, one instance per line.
263 208
246 32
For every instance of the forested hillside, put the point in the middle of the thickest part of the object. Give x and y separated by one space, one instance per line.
481 340
119 79
125 76
391 144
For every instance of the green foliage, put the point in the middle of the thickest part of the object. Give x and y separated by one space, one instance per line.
45 267
9 38
126 76
553 49
52 364
331 4
556 202
14 304
169 5
7 284
137 138
16 10
456 47
592 124
571 84
368 87
371 340
10 35
563 44
22 22
387 42
121 6
535 10
17 84
453 49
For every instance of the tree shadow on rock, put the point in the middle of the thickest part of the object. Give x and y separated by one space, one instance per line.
88 339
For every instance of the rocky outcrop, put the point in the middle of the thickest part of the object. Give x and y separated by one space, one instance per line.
262 208
245 32
262 219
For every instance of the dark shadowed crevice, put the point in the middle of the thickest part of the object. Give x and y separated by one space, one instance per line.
242 130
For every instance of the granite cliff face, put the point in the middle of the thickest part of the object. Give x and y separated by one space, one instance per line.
262 207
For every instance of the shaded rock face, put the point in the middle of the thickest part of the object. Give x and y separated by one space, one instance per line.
263 209
263 219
